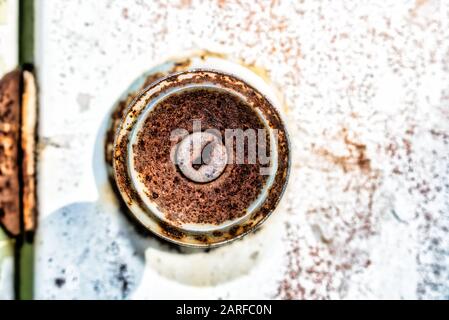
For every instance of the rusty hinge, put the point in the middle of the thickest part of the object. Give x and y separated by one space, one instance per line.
17 152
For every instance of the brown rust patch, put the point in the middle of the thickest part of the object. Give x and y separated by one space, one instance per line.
170 231
202 238
356 159
10 194
182 200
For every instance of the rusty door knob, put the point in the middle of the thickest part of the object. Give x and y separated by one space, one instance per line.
201 157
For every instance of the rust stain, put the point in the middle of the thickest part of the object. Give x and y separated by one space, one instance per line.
357 158
418 5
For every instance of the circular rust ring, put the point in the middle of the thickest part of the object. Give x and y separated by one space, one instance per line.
145 214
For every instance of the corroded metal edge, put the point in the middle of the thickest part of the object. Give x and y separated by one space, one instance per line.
28 142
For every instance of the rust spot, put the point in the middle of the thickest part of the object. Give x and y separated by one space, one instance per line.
357 158
170 231
234 230
202 238
217 234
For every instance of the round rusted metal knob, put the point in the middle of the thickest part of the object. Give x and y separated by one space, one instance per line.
201 187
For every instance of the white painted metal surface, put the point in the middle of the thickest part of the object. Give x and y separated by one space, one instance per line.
365 214
8 61
8 35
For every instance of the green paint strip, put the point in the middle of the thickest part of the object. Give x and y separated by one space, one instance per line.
26 32
24 253
26 280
